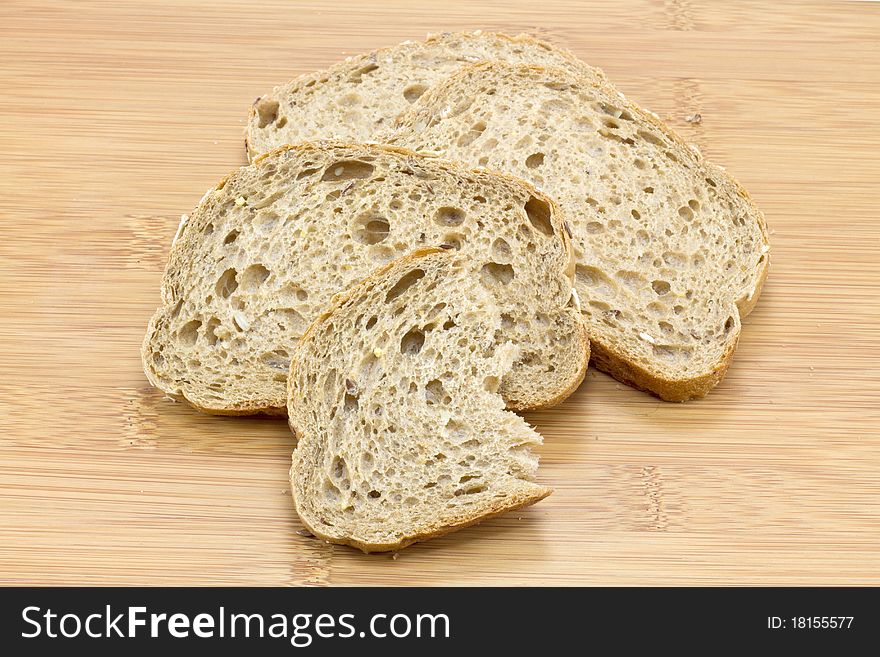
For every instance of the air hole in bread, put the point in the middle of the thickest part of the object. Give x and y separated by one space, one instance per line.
471 490
501 249
590 276
650 137
453 240
290 319
406 282
629 278
210 331
374 494
494 272
447 216
538 212
331 492
277 360
648 190
231 236
347 170
535 160
371 322
330 385
370 228
606 108
491 383
639 163
356 76
267 112
728 324
694 204
412 341
290 293
434 311
594 227
253 277
435 393
189 332
686 213
472 135
227 283
413 92
660 287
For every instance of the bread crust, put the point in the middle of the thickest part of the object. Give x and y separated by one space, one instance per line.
439 529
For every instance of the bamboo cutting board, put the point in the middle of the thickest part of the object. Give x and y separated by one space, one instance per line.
116 116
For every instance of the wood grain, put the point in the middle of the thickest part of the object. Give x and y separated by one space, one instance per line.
116 116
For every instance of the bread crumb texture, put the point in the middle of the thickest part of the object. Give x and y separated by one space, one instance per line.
670 250
263 254
414 442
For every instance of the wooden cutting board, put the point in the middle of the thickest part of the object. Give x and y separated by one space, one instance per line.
116 116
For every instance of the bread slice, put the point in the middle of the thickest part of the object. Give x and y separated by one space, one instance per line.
402 434
264 252
671 252
356 98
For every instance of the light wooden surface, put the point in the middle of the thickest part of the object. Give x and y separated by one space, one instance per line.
116 116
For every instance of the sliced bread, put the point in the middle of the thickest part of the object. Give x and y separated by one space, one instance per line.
402 435
356 98
264 252
671 252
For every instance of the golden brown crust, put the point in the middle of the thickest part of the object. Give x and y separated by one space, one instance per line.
609 361
520 502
